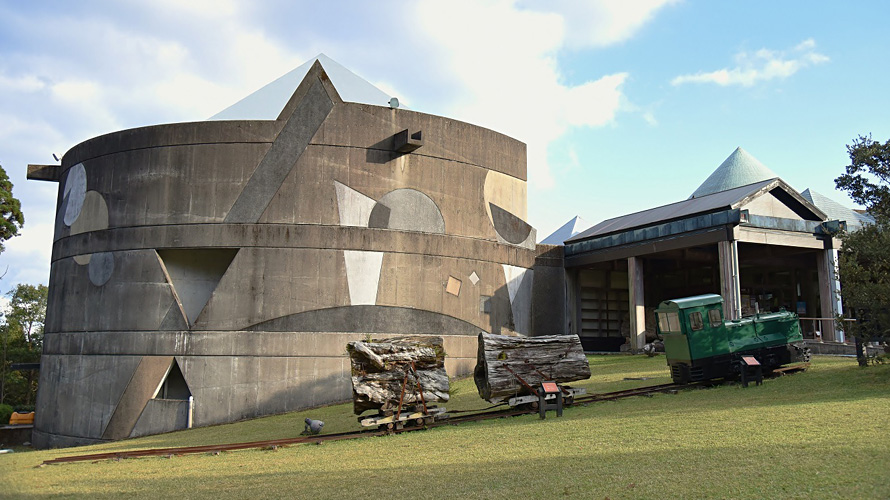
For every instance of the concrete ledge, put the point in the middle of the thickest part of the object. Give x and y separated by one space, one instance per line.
43 440
831 348
226 343
15 434
351 125
290 236
44 173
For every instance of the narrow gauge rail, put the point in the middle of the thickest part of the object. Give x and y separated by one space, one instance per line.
472 416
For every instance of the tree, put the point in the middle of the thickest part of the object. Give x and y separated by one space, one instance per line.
864 259
867 180
22 337
11 218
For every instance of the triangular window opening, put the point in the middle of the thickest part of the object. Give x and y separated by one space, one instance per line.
174 385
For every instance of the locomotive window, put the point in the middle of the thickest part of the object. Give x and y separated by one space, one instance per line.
714 317
668 322
695 321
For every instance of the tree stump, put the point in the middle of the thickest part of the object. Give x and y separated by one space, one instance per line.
501 361
379 368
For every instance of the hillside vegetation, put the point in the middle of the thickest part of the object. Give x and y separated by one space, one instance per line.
818 434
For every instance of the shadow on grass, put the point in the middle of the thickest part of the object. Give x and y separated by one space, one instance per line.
586 469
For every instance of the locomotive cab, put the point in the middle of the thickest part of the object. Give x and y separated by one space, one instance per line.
694 337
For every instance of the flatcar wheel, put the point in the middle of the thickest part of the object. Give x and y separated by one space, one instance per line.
533 406
389 426
419 421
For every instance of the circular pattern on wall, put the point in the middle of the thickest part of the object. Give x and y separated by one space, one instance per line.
93 217
101 268
407 210
74 193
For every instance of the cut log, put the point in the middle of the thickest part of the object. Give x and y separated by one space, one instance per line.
379 368
505 365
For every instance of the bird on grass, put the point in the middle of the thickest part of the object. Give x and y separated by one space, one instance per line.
312 427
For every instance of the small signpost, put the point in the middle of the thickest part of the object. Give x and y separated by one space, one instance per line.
750 364
548 388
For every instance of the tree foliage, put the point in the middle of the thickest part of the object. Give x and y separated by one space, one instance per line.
867 180
22 342
864 257
865 278
11 217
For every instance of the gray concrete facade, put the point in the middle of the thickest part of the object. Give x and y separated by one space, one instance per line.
242 256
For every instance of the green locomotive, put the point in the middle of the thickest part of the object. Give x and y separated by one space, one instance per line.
700 345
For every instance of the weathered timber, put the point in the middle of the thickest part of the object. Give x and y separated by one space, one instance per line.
379 368
501 361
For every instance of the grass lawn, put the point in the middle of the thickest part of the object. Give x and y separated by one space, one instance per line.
819 434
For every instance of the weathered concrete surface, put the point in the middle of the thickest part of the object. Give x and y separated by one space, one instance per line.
293 139
162 415
143 384
247 250
231 375
44 172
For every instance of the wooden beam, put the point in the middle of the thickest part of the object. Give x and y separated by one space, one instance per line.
730 287
636 309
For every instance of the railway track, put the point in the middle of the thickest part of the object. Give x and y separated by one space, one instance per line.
473 416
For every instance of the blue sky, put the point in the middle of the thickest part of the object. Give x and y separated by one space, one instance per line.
625 105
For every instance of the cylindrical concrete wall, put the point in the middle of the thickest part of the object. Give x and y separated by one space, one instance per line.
237 258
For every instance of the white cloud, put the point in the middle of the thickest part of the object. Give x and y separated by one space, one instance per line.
650 118
761 66
27 256
808 44
24 83
504 62
493 63
603 22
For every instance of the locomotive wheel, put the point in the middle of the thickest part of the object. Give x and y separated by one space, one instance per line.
533 406
419 421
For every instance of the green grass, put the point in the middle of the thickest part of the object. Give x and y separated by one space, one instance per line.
819 434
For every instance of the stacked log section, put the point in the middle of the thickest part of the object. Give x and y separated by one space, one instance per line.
380 367
504 362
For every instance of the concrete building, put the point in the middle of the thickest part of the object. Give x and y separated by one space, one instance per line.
213 271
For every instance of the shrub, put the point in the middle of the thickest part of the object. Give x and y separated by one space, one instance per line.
5 413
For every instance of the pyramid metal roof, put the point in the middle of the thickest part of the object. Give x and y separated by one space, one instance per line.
836 211
738 169
575 226
267 102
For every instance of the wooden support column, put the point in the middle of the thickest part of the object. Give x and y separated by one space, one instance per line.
637 309
829 293
573 309
728 253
